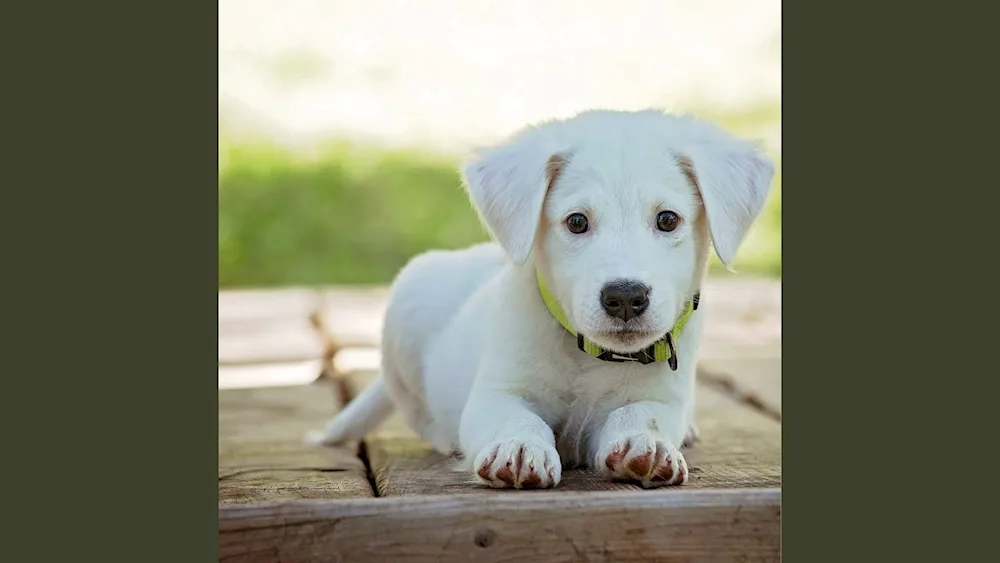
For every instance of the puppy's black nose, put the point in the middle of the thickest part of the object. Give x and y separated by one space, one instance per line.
625 299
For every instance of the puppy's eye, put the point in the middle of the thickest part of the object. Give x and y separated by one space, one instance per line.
667 221
577 223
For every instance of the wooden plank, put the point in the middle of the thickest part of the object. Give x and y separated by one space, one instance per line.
282 485
739 448
262 454
281 340
269 375
269 343
354 314
741 348
710 526
755 379
243 306
267 326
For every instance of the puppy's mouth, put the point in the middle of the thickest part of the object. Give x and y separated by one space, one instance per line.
628 333
626 340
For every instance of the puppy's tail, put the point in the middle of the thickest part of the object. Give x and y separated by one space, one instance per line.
362 415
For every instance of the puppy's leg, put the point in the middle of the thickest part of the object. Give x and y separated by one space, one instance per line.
513 446
639 442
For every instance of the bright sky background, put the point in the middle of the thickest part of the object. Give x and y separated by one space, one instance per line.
449 73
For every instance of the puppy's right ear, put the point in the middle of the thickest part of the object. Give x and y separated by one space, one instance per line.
508 184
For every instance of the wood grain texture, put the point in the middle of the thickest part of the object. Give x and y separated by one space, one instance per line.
284 485
262 454
550 527
739 448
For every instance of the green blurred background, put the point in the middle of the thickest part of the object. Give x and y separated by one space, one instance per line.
350 213
312 94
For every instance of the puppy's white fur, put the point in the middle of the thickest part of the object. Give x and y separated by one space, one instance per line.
475 361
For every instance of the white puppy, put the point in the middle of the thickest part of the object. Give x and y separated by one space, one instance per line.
574 341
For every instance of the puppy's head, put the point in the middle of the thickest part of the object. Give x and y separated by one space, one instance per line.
616 209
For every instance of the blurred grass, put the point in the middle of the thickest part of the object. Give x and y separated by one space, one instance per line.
350 214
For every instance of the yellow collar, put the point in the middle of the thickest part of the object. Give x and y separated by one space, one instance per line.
662 350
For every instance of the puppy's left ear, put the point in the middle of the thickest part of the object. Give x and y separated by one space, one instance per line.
508 184
734 179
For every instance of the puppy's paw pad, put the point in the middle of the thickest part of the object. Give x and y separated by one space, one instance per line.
521 464
645 459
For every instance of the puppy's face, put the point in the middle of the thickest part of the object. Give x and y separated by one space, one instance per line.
617 209
620 240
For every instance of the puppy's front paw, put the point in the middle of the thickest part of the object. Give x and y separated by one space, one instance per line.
645 459
522 464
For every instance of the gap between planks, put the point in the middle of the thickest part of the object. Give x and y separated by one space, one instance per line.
737 524
345 393
262 454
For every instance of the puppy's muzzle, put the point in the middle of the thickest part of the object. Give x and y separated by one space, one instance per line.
625 299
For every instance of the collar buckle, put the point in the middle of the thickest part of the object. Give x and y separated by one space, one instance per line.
672 360
644 357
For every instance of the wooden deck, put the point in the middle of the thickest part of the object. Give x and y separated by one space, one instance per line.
289 359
